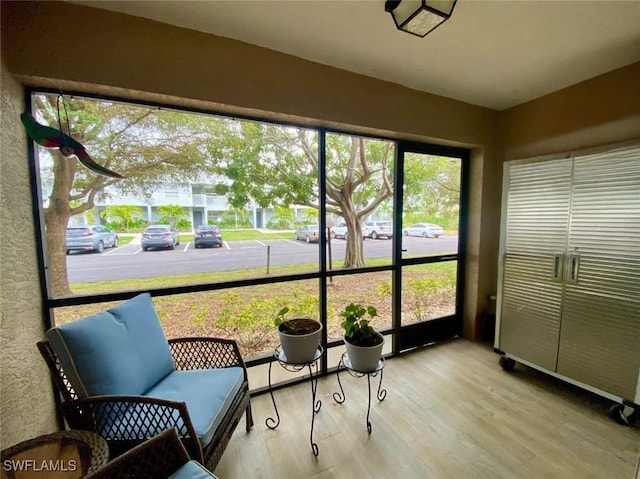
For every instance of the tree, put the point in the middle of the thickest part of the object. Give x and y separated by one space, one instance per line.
432 187
171 214
146 145
278 166
124 215
284 218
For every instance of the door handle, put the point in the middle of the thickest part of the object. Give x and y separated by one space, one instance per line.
574 268
558 263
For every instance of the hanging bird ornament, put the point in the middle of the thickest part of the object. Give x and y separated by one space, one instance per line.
51 138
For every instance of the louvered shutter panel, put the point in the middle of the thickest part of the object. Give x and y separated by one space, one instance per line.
600 332
536 234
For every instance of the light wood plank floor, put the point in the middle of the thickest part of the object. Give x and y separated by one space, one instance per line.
450 412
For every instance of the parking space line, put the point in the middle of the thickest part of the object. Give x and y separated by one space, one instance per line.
297 243
186 247
260 243
226 245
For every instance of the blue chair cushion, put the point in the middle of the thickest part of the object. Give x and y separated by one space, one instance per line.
208 394
192 470
121 351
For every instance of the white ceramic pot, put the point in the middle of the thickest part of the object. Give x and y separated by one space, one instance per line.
364 359
300 348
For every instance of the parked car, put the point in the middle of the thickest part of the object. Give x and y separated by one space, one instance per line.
426 230
159 236
207 235
379 229
308 233
340 231
90 238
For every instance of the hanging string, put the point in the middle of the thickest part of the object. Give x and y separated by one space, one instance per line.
64 141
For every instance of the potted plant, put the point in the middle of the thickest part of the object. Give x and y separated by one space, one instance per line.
299 337
363 343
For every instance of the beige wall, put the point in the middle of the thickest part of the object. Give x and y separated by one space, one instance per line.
74 47
26 400
600 111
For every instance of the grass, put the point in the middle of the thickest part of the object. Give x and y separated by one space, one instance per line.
227 235
237 235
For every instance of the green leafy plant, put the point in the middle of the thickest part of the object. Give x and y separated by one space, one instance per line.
357 330
295 326
280 318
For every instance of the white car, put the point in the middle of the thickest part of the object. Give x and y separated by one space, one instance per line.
340 231
426 230
379 229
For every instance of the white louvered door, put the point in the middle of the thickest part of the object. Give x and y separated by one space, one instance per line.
536 239
600 329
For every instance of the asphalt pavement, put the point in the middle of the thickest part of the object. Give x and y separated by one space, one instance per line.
129 261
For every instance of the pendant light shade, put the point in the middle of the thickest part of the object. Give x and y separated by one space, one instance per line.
419 17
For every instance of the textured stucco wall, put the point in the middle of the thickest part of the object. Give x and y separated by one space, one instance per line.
26 400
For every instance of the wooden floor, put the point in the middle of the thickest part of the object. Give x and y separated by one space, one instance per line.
450 412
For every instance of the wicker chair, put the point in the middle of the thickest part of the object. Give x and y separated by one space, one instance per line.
160 457
129 419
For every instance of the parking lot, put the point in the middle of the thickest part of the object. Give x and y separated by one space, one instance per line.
129 261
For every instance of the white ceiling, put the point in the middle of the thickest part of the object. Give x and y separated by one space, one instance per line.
490 53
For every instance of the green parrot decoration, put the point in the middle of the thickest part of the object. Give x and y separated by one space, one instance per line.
51 138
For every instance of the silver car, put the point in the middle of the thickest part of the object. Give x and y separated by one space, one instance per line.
426 230
308 233
340 231
159 236
90 238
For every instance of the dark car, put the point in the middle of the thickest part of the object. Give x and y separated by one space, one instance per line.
206 235
90 238
159 236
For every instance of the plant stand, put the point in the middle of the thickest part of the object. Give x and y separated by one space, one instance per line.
278 354
345 363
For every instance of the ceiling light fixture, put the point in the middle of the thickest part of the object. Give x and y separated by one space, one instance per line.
419 17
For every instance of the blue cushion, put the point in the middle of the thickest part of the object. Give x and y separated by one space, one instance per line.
121 351
192 470
207 392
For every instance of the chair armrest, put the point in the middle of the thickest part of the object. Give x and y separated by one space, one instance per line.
206 353
156 458
128 420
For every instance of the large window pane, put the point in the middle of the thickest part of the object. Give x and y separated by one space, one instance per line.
431 204
359 182
253 184
428 291
368 289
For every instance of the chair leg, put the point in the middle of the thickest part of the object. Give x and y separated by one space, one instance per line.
249 418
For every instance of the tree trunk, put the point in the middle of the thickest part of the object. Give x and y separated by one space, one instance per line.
354 254
56 218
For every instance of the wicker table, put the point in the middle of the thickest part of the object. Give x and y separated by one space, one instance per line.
345 363
295 367
64 454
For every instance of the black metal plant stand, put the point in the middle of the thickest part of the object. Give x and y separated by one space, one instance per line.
295 367
345 363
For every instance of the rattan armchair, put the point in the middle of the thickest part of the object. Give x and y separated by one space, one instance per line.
129 419
157 458
154 414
